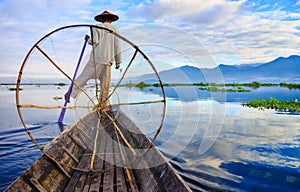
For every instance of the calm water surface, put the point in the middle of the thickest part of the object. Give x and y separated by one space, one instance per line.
213 144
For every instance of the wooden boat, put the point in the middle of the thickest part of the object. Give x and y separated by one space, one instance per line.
88 170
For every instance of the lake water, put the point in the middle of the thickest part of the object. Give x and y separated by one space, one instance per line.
210 139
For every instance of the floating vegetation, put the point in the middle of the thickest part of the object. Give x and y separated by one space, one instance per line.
290 85
60 84
14 89
253 84
222 89
273 103
213 87
129 85
218 87
142 85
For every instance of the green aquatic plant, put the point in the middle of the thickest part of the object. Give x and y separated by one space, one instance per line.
254 84
60 84
215 88
14 89
142 85
273 103
290 85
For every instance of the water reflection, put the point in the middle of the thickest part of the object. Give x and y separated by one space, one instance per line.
246 149
193 93
263 177
248 137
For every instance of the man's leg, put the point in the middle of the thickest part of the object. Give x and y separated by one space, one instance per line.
87 74
105 84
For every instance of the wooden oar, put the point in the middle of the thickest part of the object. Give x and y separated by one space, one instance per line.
63 110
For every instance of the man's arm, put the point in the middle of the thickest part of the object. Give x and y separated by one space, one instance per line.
94 37
118 50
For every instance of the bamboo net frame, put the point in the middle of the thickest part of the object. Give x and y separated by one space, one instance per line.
117 130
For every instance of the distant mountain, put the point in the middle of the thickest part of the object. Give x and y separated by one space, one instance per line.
184 74
279 70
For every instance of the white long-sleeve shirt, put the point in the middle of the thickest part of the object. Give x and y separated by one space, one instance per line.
107 49
107 46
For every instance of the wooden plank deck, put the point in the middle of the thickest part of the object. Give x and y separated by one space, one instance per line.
114 179
95 149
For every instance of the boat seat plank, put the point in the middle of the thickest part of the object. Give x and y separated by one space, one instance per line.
83 177
37 185
120 178
124 173
108 176
96 177
77 175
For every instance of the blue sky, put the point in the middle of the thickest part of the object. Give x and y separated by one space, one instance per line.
230 31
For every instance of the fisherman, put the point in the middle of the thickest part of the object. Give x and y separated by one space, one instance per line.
107 50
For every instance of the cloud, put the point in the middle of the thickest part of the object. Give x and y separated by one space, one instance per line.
23 22
169 44
259 43
232 31
186 11
41 10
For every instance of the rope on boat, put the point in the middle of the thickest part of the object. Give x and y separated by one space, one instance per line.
129 177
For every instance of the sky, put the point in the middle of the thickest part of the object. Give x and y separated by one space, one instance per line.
227 31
